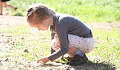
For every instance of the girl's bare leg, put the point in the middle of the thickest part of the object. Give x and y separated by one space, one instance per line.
72 50
1 7
7 5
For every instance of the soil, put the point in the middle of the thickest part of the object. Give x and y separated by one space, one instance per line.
90 65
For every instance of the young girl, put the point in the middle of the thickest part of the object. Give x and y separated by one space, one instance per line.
3 2
68 34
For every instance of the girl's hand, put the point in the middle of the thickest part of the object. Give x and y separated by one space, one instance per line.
43 60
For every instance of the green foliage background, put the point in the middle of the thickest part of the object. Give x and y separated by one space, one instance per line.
87 10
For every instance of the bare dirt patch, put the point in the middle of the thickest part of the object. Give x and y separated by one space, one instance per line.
15 20
11 20
104 26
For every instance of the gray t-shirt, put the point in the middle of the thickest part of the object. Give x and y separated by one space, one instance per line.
62 26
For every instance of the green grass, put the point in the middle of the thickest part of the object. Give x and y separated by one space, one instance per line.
88 11
21 45
107 46
28 45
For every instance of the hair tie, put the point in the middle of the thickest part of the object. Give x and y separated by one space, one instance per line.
30 10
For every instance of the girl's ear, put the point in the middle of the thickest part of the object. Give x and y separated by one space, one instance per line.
46 17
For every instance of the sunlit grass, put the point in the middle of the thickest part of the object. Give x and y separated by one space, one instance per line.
24 44
86 10
107 46
30 44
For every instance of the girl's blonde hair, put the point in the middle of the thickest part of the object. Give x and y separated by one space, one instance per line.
37 12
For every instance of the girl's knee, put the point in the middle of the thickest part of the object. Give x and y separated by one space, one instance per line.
4 3
55 45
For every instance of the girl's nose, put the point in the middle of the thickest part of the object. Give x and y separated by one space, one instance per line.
39 29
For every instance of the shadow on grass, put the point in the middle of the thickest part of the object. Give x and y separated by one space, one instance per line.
49 65
87 66
95 66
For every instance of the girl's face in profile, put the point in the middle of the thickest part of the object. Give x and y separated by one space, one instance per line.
44 25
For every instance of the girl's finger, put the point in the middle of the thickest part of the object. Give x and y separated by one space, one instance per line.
39 61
